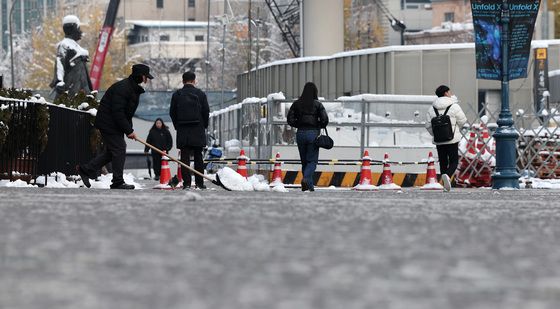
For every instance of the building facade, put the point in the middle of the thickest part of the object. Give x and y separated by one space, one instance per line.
26 14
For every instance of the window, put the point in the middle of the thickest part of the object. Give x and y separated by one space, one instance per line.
191 19
159 4
449 16
199 38
191 3
164 37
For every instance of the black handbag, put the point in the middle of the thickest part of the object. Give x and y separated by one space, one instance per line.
324 141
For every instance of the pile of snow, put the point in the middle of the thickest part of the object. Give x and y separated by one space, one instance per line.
104 181
92 112
366 186
15 184
537 183
390 186
235 182
276 96
83 106
38 99
57 180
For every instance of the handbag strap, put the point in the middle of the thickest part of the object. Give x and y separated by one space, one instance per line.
326 132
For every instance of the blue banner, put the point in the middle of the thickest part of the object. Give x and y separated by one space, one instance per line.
487 29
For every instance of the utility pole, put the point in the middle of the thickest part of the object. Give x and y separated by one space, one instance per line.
250 35
223 60
12 42
207 62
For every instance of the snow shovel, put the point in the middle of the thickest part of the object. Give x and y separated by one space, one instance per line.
216 182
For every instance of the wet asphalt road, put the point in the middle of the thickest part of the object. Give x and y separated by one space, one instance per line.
80 248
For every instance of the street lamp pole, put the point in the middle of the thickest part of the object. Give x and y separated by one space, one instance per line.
505 175
256 23
223 60
12 42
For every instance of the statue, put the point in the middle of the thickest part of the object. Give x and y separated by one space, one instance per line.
71 74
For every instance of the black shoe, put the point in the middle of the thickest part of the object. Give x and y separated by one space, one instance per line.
83 176
122 186
311 189
156 178
186 187
304 186
201 187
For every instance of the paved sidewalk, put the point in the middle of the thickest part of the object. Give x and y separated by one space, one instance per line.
471 248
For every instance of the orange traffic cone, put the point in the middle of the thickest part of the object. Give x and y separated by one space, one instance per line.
365 175
486 139
277 173
179 174
241 163
164 176
471 146
387 177
431 176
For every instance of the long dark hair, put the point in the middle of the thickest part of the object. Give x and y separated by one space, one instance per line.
163 126
308 96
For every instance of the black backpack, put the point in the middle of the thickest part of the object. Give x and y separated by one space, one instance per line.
188 109
441 126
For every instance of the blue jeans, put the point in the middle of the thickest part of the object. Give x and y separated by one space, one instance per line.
308 153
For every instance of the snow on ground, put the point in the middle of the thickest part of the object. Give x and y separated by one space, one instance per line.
235 182
15 184
537 183
59 180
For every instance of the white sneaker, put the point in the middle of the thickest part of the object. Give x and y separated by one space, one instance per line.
446 182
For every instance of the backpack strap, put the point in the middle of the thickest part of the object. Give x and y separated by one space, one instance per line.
447 109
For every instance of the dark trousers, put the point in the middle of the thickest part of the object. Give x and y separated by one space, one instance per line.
114 152
308 153
448 158
156 159
186 153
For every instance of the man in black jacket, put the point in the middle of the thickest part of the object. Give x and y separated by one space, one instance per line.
114 120
189 112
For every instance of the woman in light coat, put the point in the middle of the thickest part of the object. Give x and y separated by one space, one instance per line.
448 152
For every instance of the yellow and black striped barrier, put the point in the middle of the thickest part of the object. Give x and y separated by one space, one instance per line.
337 179
350 179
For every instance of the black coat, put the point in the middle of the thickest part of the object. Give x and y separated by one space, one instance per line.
118 106
189 134
160 138
301 119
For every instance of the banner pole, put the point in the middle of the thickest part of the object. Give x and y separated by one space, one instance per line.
505 175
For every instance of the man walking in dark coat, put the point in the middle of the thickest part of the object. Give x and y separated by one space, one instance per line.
189 112
114 120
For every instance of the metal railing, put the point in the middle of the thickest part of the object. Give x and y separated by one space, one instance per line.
44 138
264 123
20 150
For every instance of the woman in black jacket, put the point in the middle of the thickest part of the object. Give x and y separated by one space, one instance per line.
160 137
308 115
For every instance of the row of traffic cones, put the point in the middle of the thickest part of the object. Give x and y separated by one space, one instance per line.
242 160
475 166
365 183
387 177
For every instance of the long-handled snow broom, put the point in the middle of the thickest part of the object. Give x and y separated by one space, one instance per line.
216 182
